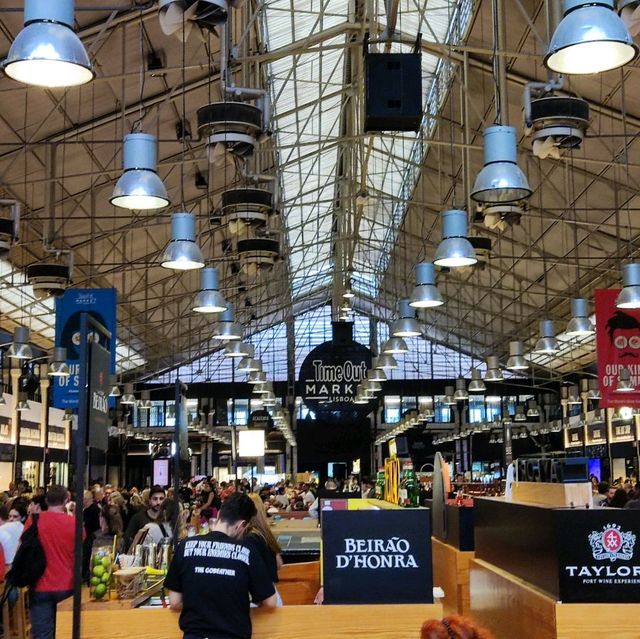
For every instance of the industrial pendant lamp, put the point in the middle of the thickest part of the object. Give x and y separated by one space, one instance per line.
238 350
376 375
406 325
516 361
386 362
461 394
520 415
591 38
209 299
182 252
348 293
533 409
455 250
263 389
227 328
426 293
115 389
23 402
20 348
58 366
573 398
257 378
493 374
476 385
501 181
594 391
3 401
139 187
395 346
629 296
47 52
249 365
128 397
624 381
145 400
579 324
547 344
448 399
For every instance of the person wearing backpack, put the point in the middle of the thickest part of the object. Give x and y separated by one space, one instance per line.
56 534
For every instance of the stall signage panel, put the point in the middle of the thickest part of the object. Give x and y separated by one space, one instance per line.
599 555
574 436
597 433
329 377
98 391
622 431
100 303
618 346
57 437
30 433
5 430
377 556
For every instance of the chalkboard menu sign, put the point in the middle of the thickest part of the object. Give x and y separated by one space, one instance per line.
596 433
599 555
574 436
377 556
622 431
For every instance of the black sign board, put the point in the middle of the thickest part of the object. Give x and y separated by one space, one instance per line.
99 422
377 556
260 419
599 555
575 436
596 433
622 431
7 452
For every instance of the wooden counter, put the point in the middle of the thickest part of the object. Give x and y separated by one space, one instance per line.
451 573
102 621
510 607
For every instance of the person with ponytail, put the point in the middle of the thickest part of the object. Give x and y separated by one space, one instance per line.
453 627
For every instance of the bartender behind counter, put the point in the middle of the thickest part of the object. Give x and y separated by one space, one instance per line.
211 577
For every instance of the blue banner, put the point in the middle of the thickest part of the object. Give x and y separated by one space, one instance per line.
100 303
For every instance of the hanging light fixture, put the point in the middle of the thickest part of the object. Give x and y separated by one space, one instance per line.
257 378
3 401
376 375
406 325
249 365
395 346
209 298
348 293
461 394
520 414
47 52
629 296
573 398
579 324
140 187
533 411
506 416
226 328
493 374
20 347
476 385
115 389
238 350
426 293
455 250
371 386
591 38
263 389
386 362
547 344
58 366
448 399
145 401
182 252
516 361
501 181
624 381
594 391
23 402
128 397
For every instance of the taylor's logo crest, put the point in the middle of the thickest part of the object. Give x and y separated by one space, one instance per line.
612 543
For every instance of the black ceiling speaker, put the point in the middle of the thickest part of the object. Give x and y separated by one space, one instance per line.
393 90
257 255
48 279
246 207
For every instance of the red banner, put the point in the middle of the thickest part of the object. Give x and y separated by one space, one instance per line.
617 346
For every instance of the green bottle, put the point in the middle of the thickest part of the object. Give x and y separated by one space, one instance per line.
379 490
410 489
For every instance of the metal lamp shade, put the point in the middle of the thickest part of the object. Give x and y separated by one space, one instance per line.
257 378
128 397
629 296
573 398
624 382
249 365
145 400
579 324
493 374
426 293
533 409
20 348
591 38
264 389
377 375
594 391
47 52
516 361
547 344
239 350
209 299
520 414
348 294
501 181
386 362
461 390
226 328
406 325
448 399
455 250
23 402
182 252
140 187
476 385
360 399
115 389
395 346
58 366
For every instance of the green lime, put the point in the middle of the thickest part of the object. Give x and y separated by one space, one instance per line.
105 578
98 571
106 562
95 581
97 559
100 591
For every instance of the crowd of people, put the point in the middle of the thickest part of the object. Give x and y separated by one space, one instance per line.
616 494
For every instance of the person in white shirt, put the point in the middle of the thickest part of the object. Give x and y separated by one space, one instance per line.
10 533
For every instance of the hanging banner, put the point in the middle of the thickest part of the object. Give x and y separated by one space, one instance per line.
618 346
99 422
100 303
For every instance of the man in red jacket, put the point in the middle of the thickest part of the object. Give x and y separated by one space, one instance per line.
56 532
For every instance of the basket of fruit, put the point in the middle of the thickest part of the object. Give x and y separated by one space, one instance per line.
100 580
129 581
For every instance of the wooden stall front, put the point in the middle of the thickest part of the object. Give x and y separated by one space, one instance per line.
451 573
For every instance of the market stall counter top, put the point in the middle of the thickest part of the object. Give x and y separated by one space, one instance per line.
102 620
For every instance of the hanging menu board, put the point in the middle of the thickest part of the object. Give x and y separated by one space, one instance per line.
623 431
574 436
596 433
